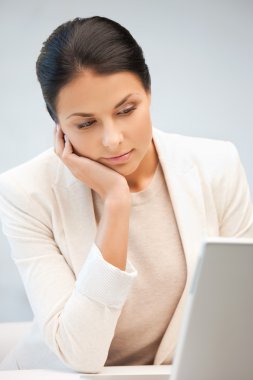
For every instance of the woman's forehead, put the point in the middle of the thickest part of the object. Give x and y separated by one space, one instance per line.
94 91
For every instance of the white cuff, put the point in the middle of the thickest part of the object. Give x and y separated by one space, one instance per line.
103 282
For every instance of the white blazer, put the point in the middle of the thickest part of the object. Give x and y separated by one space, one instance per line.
48 218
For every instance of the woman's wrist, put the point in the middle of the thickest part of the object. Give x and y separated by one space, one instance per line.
118 199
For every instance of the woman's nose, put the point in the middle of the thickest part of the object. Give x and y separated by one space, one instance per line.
112 137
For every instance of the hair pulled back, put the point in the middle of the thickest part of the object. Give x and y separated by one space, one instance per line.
95 43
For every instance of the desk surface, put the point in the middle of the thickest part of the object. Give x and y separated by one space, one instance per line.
40 374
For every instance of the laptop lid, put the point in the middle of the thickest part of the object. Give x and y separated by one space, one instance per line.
216 338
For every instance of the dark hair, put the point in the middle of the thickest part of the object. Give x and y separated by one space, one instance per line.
95 43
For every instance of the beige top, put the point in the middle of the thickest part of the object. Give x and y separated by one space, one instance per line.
156 252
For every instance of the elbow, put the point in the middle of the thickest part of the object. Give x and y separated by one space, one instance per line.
80 359
79 355
84 361
85 367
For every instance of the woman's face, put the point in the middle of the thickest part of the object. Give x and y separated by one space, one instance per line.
107 116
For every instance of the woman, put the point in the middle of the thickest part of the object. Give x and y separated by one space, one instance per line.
106 227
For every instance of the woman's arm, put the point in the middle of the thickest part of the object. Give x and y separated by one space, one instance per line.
76 315
112 233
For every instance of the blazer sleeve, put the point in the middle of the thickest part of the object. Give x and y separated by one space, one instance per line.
235 205
77 316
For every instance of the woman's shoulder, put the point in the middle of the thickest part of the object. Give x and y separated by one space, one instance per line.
198 151
32 175
194 144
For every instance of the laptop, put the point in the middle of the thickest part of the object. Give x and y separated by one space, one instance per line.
216 337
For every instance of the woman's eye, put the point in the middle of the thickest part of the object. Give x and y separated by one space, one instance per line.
89 123
85 125
127 110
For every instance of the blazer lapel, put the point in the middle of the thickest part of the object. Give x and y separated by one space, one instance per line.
184 187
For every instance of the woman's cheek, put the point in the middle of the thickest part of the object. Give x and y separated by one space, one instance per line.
144 129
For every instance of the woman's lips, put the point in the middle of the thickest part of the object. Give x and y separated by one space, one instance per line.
119 159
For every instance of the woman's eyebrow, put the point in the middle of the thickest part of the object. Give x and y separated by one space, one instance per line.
90 114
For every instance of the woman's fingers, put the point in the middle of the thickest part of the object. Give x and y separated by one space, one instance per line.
64 148
59 141
68 146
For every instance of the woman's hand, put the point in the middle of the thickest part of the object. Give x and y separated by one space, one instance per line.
105 181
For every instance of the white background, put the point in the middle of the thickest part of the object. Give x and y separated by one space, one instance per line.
200 55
